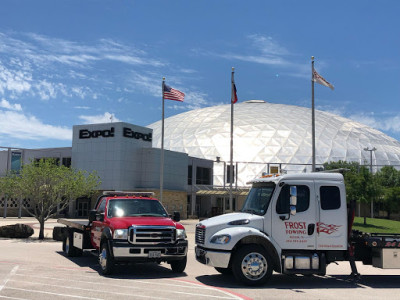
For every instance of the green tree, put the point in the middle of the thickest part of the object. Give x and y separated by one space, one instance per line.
49 186
388 176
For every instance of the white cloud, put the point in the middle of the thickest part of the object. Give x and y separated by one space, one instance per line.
15 125
5 104
14 81
390 124
105 118
267 45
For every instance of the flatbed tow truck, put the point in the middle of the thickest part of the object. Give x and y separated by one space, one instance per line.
128 227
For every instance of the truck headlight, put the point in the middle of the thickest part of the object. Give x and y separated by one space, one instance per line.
221 239
180 234
120 234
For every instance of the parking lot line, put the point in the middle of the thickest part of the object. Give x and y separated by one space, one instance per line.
51 293
12 273
92 290
194 286
6 297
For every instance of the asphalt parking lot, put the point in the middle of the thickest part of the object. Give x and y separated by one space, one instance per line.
32 269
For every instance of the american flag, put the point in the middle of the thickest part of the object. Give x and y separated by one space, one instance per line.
321 80
172 94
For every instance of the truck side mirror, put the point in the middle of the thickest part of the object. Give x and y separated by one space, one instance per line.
92 215
292 210
177 216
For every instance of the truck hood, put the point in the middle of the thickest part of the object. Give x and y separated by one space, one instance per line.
122 223
218 223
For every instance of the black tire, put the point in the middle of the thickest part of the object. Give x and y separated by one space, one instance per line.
252 265
106 261
178 266
224 271
68 247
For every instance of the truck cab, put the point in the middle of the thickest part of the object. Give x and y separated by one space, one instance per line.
130 226
291 224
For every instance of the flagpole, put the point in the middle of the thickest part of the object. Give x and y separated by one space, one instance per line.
312 114
162 145
231 148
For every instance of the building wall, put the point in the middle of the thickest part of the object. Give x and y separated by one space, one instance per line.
112 150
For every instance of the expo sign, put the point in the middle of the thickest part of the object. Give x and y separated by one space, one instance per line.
127 132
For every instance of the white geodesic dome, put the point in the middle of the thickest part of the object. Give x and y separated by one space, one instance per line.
267 134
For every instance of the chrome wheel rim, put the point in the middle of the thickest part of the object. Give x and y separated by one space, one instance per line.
254 266
103 258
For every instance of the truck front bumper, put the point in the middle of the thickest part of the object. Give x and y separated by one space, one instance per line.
217 259
127 251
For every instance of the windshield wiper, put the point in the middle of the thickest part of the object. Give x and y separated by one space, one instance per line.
252 211
149 215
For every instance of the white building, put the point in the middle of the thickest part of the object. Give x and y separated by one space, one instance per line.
271 136
124 159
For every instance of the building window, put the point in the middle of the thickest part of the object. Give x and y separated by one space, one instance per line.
16 161
66 161
190 169
203 176
227 207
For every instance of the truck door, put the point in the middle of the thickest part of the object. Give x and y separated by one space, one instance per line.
295 231
97 225
332 216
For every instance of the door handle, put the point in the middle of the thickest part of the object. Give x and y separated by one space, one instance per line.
310 229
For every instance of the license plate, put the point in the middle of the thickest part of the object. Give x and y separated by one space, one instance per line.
154 254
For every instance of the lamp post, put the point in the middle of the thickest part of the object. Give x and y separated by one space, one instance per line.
370 169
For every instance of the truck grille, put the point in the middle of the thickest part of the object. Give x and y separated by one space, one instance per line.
200 234
151 235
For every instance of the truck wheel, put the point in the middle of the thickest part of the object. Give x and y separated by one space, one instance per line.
224 271
252 265
68 247
105 259
178 266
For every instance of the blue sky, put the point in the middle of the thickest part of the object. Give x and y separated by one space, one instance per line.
64 63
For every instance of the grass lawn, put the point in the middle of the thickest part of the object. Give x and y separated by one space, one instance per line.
376 225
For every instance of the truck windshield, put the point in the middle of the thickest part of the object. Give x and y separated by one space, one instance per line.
135 208
258 199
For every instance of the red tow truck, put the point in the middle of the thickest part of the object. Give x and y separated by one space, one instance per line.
128 227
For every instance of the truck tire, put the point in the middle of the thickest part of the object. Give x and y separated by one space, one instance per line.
68 247
178 266
252 265
106 261
224 271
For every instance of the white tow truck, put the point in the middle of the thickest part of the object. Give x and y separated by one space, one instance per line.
291 224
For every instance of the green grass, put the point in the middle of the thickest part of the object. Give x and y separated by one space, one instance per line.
376 225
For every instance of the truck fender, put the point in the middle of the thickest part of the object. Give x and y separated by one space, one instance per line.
247 235
106 237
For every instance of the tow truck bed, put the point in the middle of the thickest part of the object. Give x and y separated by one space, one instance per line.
75 223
